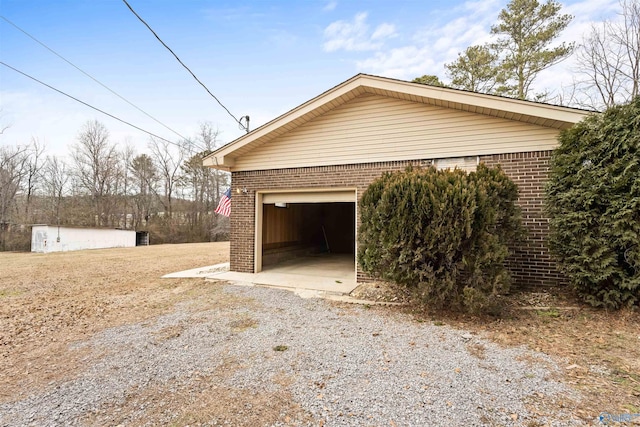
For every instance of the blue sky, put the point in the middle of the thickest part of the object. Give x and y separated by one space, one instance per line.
260 58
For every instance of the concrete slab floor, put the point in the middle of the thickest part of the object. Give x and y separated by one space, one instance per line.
200 272
326 273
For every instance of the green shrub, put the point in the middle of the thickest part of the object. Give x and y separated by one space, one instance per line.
593 201
442 234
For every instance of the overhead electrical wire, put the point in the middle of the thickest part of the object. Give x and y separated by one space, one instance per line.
187 68
91 106
93 78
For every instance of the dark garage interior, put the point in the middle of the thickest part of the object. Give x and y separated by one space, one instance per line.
294 230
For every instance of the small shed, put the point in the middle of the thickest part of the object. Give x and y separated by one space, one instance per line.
54 238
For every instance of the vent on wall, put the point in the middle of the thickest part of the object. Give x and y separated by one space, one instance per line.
467 164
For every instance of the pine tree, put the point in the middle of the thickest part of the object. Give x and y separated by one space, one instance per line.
476 69
428 79
526 30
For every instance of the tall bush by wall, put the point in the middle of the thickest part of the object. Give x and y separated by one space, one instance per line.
442 234
593 200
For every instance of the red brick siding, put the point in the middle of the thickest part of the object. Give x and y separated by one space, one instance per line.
531 264
243 209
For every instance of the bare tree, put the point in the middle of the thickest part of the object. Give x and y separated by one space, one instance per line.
55 179
168 158
628 37
215 181
609 60
96 166
34 153
203 186
12 171
125 185
144 187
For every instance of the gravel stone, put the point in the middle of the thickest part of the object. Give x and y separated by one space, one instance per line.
347 365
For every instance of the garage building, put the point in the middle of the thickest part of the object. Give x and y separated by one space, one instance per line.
297 179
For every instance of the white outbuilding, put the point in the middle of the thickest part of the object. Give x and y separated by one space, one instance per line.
54 238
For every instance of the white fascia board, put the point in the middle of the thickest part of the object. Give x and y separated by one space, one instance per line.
511 105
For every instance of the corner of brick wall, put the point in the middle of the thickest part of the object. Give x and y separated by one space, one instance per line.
531 265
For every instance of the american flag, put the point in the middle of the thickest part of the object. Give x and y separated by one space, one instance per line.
224 207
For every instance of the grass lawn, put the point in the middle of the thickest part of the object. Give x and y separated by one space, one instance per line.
49 301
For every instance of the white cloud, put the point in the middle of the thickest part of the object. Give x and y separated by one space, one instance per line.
384 31
331 5
403 63
355 35
452 31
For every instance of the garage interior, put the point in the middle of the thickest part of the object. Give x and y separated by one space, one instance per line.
313 239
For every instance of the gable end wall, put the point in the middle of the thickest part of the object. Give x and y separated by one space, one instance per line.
372 128
531 265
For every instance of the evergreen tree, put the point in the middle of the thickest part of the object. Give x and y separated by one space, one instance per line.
444 235
526 30
476 69
428 79
593 200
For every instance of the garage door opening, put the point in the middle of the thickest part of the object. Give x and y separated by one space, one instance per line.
311 233
297 230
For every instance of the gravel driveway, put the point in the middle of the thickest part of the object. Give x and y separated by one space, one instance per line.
272 358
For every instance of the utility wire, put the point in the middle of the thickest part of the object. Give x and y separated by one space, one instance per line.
91 77
187 68
91 106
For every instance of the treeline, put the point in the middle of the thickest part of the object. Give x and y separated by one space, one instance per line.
165 190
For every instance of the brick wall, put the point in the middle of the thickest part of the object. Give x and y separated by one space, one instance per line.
531 265
243 209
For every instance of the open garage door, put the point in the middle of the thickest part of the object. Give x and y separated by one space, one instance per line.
313 226
342 196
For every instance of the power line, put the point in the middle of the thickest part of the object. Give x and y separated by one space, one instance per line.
187 68
92 78
91 106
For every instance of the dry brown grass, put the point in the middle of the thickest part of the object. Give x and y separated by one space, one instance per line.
204 401
598 351
49 301
478 350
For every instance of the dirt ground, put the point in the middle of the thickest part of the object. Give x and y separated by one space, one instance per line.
50 301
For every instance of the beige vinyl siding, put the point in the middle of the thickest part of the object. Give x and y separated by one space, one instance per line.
372 128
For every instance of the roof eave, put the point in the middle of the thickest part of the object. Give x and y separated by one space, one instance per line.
217 161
